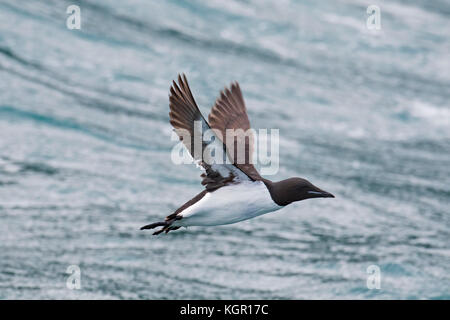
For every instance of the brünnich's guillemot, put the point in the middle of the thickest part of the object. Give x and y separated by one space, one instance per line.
234 190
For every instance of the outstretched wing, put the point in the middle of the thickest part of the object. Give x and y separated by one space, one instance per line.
229 113
204 146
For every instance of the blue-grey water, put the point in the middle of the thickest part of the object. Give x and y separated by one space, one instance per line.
85 148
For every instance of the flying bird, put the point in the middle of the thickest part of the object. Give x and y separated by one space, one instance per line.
234 190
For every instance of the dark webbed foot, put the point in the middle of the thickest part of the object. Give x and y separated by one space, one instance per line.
154 225
166 225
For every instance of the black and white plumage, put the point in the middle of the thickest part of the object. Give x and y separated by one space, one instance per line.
234 190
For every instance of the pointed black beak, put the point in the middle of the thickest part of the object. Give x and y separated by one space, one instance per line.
327 195
320 194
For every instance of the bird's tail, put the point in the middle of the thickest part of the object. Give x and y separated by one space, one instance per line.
166 226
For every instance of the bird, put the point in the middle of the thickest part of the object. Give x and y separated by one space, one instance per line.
233 191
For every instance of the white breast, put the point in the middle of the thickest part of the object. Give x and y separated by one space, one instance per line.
229 204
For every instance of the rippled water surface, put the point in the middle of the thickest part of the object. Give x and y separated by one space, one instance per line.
85 148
